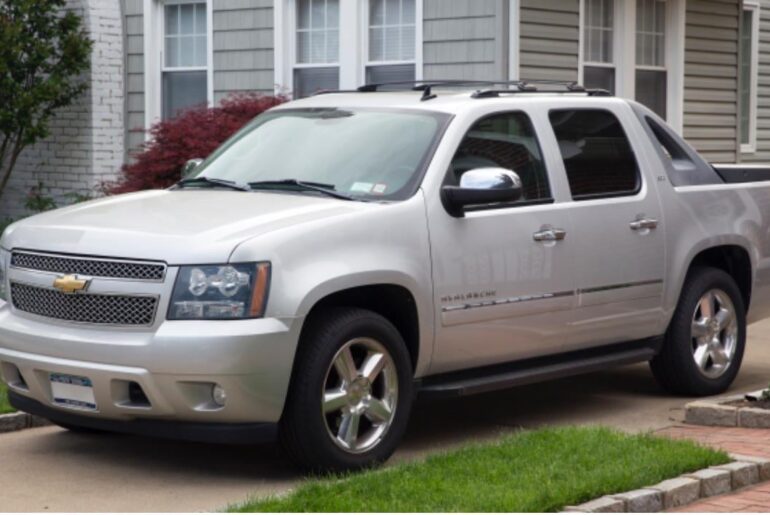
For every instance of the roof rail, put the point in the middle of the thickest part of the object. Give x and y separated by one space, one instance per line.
517 86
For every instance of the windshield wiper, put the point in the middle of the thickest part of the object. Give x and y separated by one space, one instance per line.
294 184
214 182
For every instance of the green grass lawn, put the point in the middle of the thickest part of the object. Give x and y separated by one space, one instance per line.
4 406
541 470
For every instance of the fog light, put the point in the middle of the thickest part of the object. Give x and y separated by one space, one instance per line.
219 395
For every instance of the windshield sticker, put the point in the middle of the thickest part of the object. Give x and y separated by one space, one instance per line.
379 189
362 187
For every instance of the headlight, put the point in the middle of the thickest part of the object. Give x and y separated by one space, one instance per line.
3 275
220 292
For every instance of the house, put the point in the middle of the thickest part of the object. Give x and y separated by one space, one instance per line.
696 62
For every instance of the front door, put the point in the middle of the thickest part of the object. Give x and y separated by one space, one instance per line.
503 274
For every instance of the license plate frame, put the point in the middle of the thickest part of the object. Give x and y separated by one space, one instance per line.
72 391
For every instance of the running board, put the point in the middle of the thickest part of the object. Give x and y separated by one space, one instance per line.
500 377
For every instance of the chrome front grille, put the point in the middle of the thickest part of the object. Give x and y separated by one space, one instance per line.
125 310
114 269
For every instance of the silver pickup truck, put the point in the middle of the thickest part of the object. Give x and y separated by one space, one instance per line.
343 253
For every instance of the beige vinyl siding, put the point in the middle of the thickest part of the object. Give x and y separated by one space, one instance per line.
549 39
134 45
465 39
243 47
710 83
762 153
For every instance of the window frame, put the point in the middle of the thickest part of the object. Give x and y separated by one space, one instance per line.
354 50
583 25
506 205
599 196
624 54
753 7
292 56
366 43
154 57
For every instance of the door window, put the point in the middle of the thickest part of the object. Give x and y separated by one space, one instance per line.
507 141
597 155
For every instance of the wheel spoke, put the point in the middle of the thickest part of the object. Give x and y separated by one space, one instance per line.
699 328
378 411
348 432
707 306
719 357
373 365
702 356
346 366
724 317
334 400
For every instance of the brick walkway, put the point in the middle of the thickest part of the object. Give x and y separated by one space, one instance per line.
749 442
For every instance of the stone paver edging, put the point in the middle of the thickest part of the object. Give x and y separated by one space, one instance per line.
718 412
683 490
18 421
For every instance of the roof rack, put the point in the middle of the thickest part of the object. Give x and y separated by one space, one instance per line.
513 87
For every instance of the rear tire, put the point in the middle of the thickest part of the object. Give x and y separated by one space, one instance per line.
351 392
705 341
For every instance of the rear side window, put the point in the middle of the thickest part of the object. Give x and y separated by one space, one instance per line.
505 140
596 152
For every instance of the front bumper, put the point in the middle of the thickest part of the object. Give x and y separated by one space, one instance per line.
175 366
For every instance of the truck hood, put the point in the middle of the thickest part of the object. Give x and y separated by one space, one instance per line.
179 227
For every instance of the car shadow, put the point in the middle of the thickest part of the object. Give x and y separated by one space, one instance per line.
435 424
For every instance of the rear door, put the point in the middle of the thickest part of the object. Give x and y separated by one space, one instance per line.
617 227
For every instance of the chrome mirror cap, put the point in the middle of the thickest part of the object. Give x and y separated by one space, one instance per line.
490 179
190 166
479 187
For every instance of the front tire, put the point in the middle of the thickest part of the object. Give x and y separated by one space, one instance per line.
704 344
351 392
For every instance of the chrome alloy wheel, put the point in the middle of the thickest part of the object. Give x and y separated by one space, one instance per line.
714 333
360 395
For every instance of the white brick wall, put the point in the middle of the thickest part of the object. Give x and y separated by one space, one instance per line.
86 146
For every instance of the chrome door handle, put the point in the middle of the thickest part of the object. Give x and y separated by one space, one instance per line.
550 234
644 223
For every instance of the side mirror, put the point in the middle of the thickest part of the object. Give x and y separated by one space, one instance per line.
481 186
190 166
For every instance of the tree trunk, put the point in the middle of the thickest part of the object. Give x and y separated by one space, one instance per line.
7 168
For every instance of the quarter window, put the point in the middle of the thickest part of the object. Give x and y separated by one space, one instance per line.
318 46
504 141
597 155
392 41
185 57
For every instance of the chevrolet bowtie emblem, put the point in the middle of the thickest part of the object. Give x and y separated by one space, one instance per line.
70 284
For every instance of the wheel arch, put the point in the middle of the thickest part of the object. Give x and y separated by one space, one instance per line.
734 260
395 302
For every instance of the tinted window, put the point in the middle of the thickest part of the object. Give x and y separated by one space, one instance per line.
504 141
597 154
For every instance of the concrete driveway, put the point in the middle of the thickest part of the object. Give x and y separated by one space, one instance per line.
50 469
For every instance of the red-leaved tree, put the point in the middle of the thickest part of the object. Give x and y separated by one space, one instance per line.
196 132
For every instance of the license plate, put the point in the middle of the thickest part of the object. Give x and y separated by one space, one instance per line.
73 391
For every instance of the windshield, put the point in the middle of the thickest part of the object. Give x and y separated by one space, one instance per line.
367 154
